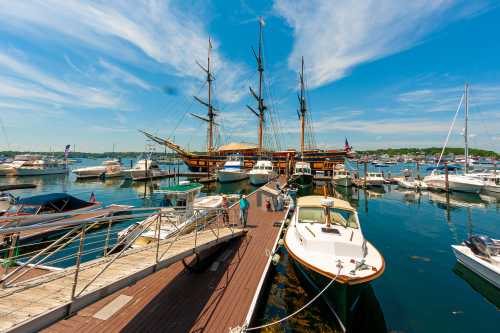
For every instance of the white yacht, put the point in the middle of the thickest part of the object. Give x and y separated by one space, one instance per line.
460 183
98 171
374 179
262 172
302 174
233 170
19 160
41 167
182 210
491 180
341 176
146 169
327 246
480 254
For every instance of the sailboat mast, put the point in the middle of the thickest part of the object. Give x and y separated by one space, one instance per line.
466 130
260 68
209 106
303 109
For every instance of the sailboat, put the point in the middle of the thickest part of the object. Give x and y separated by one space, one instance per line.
457 182
320 160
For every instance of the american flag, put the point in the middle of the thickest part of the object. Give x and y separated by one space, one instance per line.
346 146
92 197
66 151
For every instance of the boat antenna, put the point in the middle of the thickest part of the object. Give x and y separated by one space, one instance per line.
258 96
211 111
466 134
303 108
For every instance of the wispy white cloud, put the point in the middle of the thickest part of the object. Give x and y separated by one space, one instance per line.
23 80
158 35
116 72
335 36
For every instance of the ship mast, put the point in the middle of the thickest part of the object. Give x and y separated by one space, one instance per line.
258 96
303 108
466 134
211 114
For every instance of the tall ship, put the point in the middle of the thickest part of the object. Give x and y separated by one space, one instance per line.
283 160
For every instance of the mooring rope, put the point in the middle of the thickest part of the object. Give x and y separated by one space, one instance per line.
246 329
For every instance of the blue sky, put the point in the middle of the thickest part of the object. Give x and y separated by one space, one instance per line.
384 73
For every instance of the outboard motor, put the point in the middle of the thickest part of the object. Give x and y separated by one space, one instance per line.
482 245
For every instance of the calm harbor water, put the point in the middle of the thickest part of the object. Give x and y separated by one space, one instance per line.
422 289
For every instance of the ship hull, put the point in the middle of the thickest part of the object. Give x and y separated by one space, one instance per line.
320 161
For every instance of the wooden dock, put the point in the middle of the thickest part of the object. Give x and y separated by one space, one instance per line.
176 299
36 303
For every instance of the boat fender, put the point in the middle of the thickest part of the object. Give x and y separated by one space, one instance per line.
276 259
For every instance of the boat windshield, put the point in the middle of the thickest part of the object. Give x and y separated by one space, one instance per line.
23 209
317 215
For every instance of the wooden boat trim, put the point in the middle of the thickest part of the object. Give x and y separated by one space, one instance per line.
341 278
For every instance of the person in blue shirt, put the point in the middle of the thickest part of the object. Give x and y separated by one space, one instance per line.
244 205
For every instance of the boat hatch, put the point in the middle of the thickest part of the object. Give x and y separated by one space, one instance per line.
330 230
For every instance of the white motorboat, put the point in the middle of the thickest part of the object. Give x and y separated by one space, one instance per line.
41 167
19 160
146 169
182 210
97 171
460 183
262 173
326 244
302 174
114 168
374 179
491 181
412 183
341 176
233 170
480 254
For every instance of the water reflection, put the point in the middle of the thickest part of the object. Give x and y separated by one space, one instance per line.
483 287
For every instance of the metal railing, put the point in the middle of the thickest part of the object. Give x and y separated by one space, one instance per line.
87 247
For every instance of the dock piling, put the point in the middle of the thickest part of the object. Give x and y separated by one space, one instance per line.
446 182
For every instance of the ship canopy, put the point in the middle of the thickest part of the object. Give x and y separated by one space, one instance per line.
237 146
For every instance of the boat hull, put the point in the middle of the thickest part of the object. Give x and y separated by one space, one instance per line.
261 178
340 298
464 187
482 268
39 172
302 179
228 176
491 188
342 181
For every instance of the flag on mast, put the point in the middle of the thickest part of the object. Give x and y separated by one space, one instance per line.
346 145
66 151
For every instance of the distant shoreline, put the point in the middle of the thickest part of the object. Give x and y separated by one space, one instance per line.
388 151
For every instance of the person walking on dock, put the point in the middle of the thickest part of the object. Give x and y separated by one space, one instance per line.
244 205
